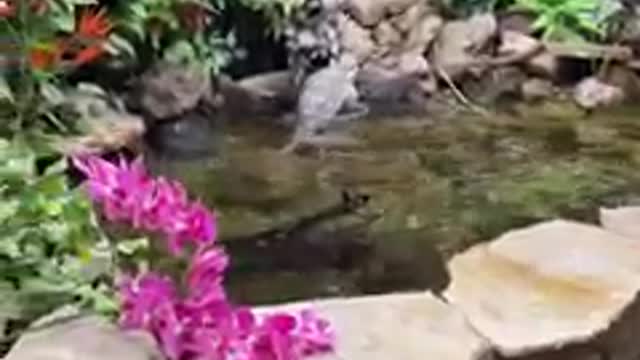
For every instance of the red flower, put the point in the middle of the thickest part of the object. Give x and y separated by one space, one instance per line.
43 57
94 27
88 55
93 24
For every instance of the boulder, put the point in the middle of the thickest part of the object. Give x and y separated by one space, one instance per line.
460 43
591 93
624 78
387 35
409 19
518 46
412 326
370 12
355 39
168 90
566 291
255 96
83 338
384 87
544 64
420 37
520 21
624 221
535 89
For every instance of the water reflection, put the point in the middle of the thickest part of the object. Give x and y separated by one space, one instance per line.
435 186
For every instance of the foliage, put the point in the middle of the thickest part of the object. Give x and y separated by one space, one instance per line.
47 40
51 40
277 12
191 317
571 20
177 30
52 250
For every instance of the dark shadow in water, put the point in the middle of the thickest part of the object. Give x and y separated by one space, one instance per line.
311 260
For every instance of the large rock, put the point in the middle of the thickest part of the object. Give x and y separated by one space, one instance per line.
535 89
420 36
104 124
410 18
270 94
544 65
518 46
168 90
84 338
461 43
624 221
355 39
387 35
399 326
370 12
592 93
559 289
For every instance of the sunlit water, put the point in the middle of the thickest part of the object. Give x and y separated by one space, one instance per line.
435 187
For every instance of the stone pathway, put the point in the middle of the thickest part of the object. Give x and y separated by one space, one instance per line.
558 290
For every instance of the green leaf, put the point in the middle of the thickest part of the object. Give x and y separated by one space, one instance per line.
10 305
91 89
63 21
5 91
118 45
131 246
8 208
57 168
51 93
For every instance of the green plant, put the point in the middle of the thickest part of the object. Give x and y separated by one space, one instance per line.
52 248
571 20
46 40
176 30
276 12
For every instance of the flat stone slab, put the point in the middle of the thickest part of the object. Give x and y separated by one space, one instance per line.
85 338
414 326
624 221
550 285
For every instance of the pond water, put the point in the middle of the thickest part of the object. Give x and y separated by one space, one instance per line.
434 187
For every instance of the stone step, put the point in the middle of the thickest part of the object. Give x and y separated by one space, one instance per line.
411 326
556 290
624 221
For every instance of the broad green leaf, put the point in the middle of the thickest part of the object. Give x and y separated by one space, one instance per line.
57 168
55 184
63 21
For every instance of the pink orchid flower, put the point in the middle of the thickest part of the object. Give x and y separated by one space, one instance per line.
199 324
